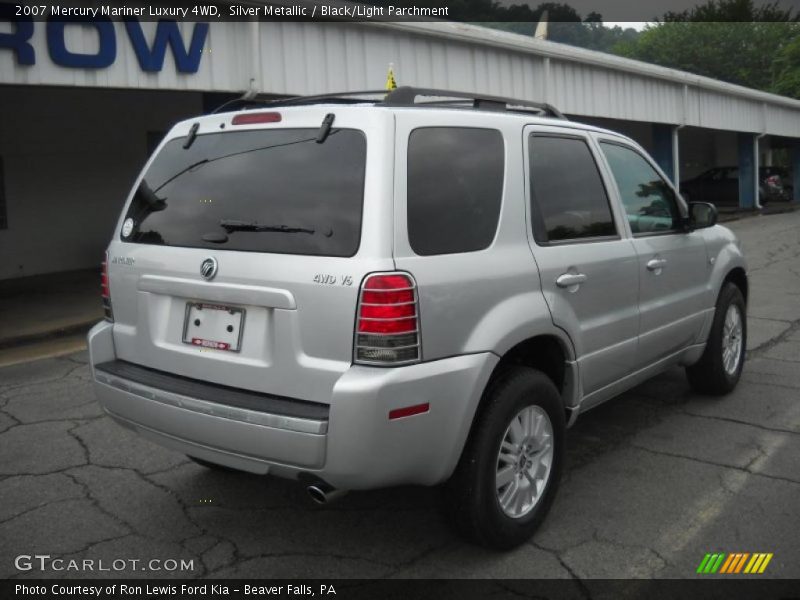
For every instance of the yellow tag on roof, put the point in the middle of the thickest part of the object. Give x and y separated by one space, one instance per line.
391 83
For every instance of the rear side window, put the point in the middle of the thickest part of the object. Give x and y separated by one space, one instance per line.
274 190
455 187
568 199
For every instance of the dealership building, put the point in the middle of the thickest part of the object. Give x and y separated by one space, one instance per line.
83 104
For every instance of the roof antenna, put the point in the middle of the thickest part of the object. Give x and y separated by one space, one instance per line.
247 96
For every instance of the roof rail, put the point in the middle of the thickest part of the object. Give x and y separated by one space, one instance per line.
406 96
257 100
335 98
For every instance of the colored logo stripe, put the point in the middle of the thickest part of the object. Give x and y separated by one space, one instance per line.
758 563
734 563
703 563
727 563
710 563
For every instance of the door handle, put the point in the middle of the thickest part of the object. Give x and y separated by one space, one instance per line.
568 280
656 264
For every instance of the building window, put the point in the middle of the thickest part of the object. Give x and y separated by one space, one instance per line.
3 209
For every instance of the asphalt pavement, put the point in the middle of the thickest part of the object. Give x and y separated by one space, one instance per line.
655 479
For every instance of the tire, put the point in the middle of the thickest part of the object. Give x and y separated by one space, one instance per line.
472 495
210 465
711 374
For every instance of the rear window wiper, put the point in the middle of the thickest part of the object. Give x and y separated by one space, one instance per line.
231 225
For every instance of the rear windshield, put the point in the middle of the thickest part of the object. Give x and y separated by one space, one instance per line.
274 190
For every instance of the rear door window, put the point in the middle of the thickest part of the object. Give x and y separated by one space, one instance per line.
568 198
273 190
455 187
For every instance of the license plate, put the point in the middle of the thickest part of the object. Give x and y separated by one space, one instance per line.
213 326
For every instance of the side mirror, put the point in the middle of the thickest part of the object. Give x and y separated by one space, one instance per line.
702 215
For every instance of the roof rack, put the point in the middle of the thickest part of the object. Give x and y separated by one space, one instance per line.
407 96
256 100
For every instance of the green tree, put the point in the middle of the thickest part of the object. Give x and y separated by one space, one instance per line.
565 25
786 67
731 10
729 40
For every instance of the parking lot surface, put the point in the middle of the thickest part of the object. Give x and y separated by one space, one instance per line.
655 479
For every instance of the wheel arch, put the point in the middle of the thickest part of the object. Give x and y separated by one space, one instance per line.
549 353
738 277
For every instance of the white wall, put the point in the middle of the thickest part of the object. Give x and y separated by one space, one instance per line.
640 132
70 158
286 57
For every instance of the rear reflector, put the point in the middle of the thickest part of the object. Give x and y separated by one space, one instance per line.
105 290
257 117
387 328
408 411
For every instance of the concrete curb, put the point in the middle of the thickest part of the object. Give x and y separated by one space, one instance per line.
32 338
726 217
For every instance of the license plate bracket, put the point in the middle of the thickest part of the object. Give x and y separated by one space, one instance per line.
213 326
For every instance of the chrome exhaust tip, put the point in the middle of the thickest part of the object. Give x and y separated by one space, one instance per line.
322 493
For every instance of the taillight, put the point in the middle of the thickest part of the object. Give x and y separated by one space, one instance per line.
106 291
387 326
774 180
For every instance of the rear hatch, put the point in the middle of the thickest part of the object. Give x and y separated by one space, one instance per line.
239 255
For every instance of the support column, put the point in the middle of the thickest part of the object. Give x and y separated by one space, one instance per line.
748 170
665 149
796 170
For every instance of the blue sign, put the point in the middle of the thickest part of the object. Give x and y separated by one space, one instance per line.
150 56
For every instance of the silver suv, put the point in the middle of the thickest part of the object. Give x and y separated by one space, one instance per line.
423 288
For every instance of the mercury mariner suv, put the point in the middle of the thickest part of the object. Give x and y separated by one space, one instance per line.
420 287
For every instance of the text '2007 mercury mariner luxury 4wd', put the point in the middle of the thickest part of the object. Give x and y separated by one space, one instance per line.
359 294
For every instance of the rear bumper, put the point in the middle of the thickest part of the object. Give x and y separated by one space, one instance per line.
351 445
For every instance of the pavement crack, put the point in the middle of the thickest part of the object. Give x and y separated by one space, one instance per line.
71 358
741 422
507 588
783 386
579 583
44 381
35 508
96 503
81 443
93 543
238 559
398 567
794 326
82 421
714 464
16 421
604 540
184 509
